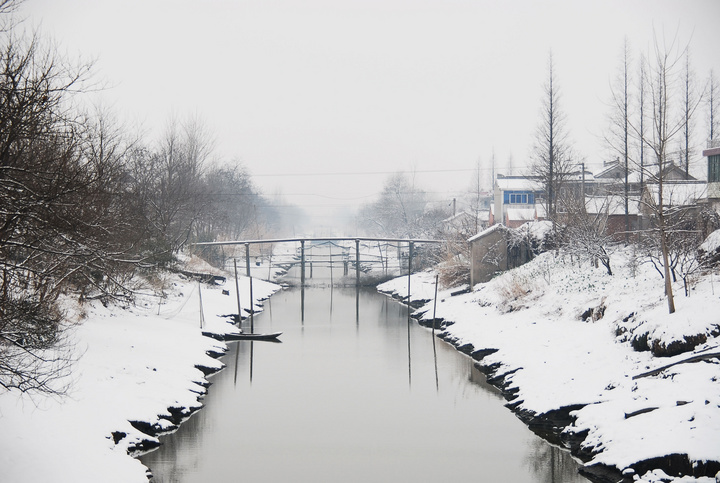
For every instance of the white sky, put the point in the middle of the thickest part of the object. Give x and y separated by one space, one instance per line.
368 86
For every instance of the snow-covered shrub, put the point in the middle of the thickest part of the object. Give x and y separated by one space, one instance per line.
667 338
514 286
709 251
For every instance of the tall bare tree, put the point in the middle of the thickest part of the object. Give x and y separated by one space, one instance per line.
61 205
713 107
665 73
690 102
552 152
619 136
642 88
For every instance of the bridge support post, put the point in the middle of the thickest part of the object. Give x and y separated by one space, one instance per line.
302 281
357 262
357 281
302 262
410 257
237 294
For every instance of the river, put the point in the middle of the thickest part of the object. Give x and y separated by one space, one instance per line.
353 393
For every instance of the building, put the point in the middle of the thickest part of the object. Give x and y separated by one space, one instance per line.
517 200
713 177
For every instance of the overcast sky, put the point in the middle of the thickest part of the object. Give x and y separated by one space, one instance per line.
362 88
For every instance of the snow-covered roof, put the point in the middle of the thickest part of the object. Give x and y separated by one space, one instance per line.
537 229
487 231
519 183
457 217
521 214
679 193
712 242
612 205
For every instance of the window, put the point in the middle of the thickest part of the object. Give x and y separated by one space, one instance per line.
714 168
518 197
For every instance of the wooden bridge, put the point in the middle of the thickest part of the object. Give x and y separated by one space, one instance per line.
410 242
302 240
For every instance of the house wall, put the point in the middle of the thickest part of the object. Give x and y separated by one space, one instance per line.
498 215
615 227
489 255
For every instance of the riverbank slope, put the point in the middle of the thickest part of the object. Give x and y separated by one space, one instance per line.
137 371
573 350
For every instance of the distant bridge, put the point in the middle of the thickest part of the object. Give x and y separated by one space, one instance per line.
410 241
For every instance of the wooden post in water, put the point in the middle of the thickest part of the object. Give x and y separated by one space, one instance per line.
435 303
247 259
302 263
410 257
302 281
357 262
252 308
237 293
202 316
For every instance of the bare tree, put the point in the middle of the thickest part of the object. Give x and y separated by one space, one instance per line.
61 207
475 194
552 151
667 121
619 136
642 86
401 210
690 102
168 187
585 233
713 106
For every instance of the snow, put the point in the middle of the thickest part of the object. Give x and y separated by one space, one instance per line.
135 362
486 232
711 243
132 364
532 316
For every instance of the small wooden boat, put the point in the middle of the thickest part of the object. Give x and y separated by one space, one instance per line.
243 336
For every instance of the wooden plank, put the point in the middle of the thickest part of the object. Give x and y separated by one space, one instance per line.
695 358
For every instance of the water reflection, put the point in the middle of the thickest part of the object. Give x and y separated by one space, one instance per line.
376 399
549 463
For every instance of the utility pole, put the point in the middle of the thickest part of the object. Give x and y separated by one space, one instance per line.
582 166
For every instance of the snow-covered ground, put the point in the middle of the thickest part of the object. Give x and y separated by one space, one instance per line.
136 362
550 358
133 364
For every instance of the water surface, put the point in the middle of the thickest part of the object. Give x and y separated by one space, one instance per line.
352 397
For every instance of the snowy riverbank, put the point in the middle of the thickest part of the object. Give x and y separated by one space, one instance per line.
144 363
527 331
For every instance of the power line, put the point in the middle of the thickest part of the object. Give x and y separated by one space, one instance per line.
362 173
359 173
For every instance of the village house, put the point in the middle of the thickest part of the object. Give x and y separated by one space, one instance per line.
520 199
713 173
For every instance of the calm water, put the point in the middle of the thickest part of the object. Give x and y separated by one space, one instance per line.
352 398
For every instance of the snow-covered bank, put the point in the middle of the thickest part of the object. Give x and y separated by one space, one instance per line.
143 364
558 339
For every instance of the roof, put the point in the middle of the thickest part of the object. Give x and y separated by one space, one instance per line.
487 231
458 216
612 171
679 193
521 214
612 205
517 183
